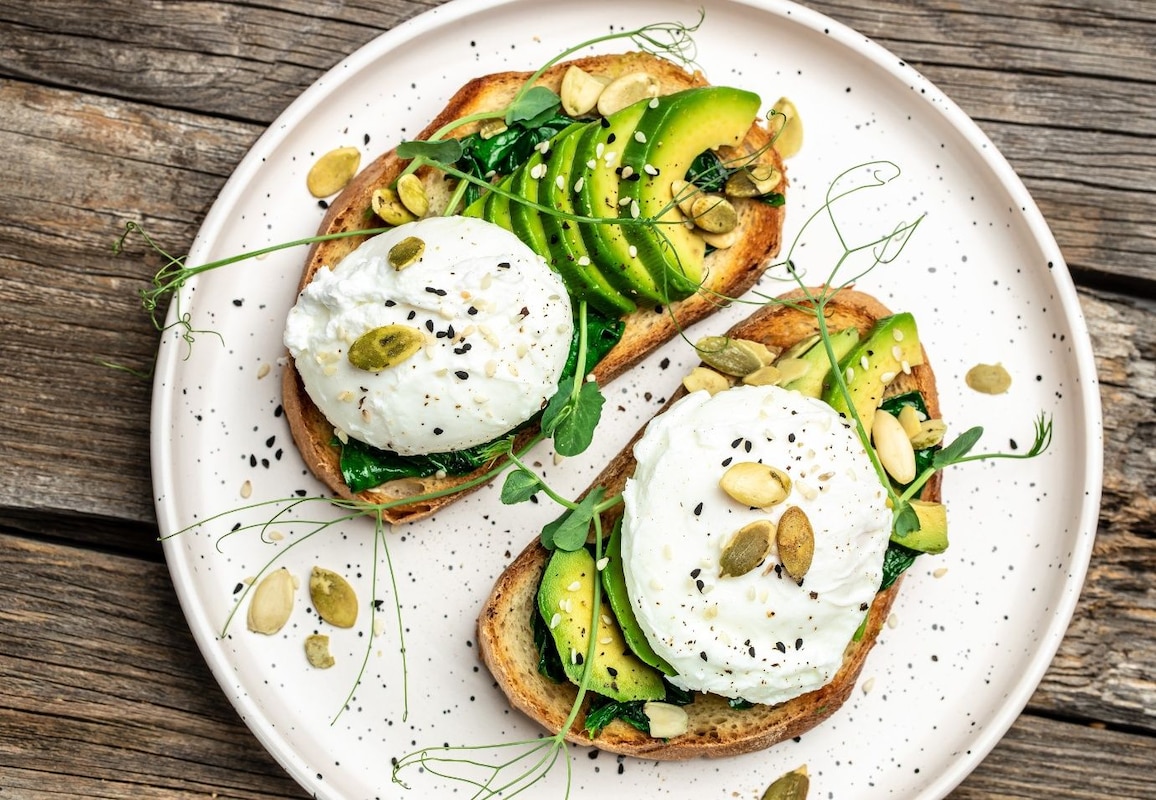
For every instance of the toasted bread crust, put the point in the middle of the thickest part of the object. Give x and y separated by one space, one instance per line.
506 643
730 272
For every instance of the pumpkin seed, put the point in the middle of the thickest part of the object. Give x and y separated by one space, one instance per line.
272 602
333 598
490 128
387 205
384 347
793 785
931 433
721 241
894 449
580 90
796 542
729 356
411 192
909 419
746 549
317 651
406 252
626 90
764 376
666 719
787 128
684 193
754 181
330 173
714 213
756 485
988 378
705 379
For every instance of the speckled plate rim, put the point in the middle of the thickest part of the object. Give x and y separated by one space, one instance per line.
169 359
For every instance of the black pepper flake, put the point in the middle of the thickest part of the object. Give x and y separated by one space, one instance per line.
471 311
238 303
503 265
461 373
698 509
664 363
864 606
814 595
438 431
782 648
702 655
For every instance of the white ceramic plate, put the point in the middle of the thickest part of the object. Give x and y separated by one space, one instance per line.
974 629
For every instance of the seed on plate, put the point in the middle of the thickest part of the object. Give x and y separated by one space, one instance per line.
330 173
272 602
796 542
746 549
794 785
988 378
333 598
756 485
787 127
317 651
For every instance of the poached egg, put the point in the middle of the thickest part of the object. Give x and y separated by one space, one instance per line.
493 320
761 636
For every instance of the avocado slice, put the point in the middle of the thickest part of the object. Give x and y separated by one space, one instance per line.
932 534
892 343
811 382
614 583
672 132
496 206
597 158
525 219
568 253
565 602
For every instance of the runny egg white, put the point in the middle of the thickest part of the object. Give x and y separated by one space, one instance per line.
495 325
761 636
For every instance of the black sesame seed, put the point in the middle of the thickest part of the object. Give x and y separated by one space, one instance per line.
702 655
798 644
694 573
461 373
698 509
605 123
612 672
503 265
429 325
751 652
390 303
791 437
747 446
664 363
438 292
411 315
471 311
610 139
438 431
782 648
727 461
699 585
736 443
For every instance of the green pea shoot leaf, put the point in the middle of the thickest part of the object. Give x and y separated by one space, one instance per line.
957 449
568 532
444 151
520 486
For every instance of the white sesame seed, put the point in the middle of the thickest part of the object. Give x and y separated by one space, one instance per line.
897 334
868 685
850 374
627 171
939 573
640 137
892 621
634 210
555 620
606 620
601 563
653 102
906 368
605 640
573 656
667 553
896 352
584 261
537 171
864 363
655 585
263 370
246 489
578 184
650 169
633 251
591 164
887 377
599 149
575 586
560 182
623 201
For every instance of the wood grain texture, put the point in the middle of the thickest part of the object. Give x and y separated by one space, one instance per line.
136 110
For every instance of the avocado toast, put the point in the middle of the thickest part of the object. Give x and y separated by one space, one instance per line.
651 280
512 625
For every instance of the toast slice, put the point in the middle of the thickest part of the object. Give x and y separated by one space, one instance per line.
730 272
505 638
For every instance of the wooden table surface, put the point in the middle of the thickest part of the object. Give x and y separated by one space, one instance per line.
134 110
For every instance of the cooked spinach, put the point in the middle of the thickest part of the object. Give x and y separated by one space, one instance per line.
502 153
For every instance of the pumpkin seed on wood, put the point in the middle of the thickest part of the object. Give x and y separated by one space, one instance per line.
746 549
729 356
406 252
333 598
385 347
333 171
272 602
794 785
317 651
756 485
796 542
